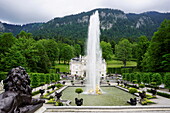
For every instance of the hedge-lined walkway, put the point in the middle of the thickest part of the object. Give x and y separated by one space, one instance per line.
161 91
160 101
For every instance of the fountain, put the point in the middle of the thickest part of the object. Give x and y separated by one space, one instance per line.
92 64
94 56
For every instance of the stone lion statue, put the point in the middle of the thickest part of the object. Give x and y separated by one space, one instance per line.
17 97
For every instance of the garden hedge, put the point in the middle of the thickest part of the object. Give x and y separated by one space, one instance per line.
3 75
38 79
144 77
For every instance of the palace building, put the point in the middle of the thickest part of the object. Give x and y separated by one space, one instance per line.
78 67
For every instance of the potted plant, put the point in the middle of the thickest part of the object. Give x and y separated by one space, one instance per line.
53 87
108 82
58 95
41 91
64 82
132 101
118 82
72 82
121 81
79 102
133 91
82 82
125 84
153 91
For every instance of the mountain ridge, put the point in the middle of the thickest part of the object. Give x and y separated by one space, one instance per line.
114 24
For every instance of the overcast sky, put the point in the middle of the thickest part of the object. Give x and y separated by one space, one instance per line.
29 11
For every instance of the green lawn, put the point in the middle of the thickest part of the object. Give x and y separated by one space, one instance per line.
110 64
117 63
63 67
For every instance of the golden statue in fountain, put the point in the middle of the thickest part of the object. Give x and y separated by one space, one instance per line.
97 91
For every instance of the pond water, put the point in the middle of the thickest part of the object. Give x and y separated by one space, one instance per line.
112 97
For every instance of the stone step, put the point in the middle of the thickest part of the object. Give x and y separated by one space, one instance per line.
112 109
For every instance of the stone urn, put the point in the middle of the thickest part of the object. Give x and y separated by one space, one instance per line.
78 102
58 95
53 87
72 82
64 82
42 91
118 82
132 101
153 91
125 84
82 82
142 95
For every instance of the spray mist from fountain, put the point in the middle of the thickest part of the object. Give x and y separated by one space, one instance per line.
94 56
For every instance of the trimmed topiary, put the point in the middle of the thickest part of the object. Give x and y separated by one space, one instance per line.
51 101
146 101
141 85
153 84
59 85
79 90
53 81
35 93
134 81
58 104
133 90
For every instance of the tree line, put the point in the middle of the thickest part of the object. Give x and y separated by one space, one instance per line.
151 56
35 56
38 55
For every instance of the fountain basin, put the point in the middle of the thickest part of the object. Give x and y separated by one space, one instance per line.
112 97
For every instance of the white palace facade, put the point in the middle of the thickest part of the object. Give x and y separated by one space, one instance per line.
78 67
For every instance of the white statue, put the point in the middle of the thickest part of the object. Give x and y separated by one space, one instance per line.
1 85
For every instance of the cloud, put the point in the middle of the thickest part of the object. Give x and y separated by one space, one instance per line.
26 11
29 11
137 6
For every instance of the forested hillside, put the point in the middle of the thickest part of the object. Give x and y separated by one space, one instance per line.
115 24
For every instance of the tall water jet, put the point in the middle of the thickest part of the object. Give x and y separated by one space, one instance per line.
94 56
